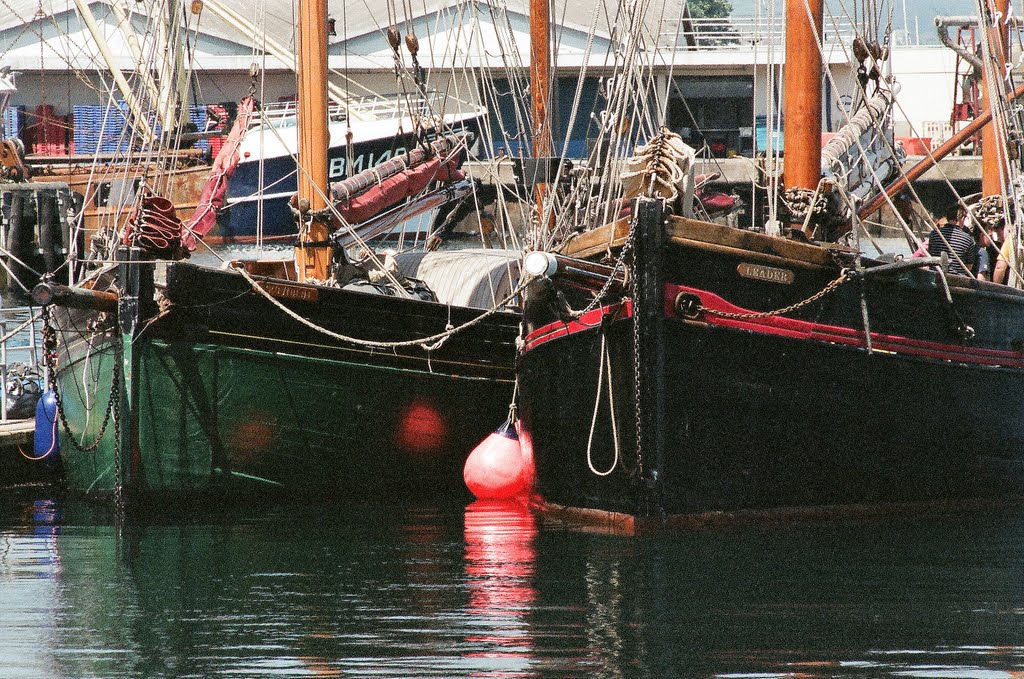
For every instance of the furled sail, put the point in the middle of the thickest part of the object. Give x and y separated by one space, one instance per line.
212 198
372 191
862 153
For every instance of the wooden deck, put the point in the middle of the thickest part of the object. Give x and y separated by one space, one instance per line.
17 432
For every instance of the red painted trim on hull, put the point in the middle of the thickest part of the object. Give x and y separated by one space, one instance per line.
591 319
781 326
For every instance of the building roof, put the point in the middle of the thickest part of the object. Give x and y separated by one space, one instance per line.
361 25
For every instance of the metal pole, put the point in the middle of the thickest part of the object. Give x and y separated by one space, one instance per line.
3 370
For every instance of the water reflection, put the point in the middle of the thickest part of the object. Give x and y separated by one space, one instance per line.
914 598
29 599
500 565
378 590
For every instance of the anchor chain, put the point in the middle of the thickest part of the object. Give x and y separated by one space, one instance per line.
844 276
50 363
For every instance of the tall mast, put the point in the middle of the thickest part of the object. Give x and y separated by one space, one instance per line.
540 85
173 97
993 156
312 261
802 110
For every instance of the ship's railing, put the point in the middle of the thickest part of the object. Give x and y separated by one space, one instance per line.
743 33
375 107
20 354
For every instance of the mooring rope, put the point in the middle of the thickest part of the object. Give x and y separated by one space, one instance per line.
427 343
597 406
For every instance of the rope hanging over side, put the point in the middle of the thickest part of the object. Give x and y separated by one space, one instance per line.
426 343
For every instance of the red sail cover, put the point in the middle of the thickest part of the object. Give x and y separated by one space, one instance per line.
212 198
397 188
373 191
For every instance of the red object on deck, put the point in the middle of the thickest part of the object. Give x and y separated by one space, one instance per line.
916 146
216 144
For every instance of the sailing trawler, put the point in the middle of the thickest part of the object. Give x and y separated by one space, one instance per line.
676 371
332 371
266 175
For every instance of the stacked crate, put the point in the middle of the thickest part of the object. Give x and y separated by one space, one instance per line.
221 113
14 121
88 122
197 116
101 129
47 136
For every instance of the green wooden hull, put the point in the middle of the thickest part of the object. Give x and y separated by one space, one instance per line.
214 418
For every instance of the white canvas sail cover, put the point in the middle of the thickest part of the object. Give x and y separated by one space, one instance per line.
862 152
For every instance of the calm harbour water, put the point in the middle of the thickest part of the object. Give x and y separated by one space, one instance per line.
413 590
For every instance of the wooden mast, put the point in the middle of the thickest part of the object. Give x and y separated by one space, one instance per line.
312 261
992 157
540 86
802 109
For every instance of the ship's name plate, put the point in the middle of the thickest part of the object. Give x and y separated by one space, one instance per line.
761 272
296 292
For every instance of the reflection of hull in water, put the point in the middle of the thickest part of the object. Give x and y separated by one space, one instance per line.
232 394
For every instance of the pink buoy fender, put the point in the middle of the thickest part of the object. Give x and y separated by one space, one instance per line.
497 469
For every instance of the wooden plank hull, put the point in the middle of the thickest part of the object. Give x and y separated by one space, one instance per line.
236 396
779 412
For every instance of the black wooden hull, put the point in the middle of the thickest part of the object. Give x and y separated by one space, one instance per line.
780 413
229 394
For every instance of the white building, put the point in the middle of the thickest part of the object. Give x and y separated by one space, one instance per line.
715 82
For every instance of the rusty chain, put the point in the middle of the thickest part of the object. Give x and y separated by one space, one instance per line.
844 276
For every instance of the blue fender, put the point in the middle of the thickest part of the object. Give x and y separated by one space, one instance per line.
47 438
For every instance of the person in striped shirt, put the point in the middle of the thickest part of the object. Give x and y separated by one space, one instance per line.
956 240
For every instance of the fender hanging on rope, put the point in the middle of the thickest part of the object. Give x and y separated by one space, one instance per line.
46 443
499 468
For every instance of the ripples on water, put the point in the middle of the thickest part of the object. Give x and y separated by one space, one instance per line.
394 590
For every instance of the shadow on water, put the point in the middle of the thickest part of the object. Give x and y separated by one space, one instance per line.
393 589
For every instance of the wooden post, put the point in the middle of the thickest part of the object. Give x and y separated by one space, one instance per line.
540 87
993 149
312 261
802 110
649 347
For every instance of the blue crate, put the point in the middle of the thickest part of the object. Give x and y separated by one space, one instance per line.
89 122
14 121
197 115
100 129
